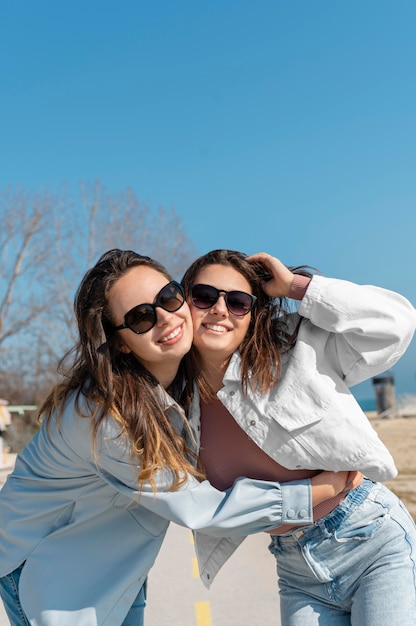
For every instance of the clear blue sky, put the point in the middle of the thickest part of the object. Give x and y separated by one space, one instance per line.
285 126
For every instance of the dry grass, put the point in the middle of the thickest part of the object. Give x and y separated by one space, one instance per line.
399 435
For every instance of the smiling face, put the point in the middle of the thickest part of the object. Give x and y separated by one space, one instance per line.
160 349
217 332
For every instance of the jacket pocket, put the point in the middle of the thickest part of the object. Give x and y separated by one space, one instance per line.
301 398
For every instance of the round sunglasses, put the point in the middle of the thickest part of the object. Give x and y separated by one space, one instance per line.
141 318
237 302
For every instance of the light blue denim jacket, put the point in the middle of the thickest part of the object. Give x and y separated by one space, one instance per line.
88 539
310 420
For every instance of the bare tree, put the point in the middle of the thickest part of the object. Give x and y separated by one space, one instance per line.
25 260
122 221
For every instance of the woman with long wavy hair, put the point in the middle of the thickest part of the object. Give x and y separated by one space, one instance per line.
275 351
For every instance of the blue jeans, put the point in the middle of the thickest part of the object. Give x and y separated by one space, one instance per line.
9 593
135 617
354 567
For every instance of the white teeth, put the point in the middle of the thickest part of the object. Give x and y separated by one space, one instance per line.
218 329
173 334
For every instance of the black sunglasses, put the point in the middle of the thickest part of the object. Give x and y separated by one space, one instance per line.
141 318
238 302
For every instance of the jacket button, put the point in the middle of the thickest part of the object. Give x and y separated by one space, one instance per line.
303 513
253 423
290 514
232 393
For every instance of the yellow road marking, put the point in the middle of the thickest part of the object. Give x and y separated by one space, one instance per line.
203 614
202 609
195 568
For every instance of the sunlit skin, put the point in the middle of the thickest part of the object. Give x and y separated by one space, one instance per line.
282 277
161 349
217 332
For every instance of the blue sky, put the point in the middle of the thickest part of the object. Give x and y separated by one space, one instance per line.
285 126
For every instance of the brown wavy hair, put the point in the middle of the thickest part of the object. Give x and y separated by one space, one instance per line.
269 335
115 383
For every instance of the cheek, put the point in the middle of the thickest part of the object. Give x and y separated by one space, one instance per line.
244 326
196 316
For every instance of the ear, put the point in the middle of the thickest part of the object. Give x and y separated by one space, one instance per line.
125 349
121 346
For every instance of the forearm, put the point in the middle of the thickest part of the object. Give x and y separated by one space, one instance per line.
250 506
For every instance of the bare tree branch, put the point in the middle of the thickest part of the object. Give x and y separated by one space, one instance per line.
23 261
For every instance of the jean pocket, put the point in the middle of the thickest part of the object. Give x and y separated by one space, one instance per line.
362 524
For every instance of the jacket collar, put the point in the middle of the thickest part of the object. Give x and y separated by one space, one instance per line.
233 373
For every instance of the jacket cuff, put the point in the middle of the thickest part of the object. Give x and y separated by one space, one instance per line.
297 502
299 286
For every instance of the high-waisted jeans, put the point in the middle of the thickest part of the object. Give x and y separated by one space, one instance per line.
354 567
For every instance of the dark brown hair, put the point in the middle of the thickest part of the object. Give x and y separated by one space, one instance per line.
117 384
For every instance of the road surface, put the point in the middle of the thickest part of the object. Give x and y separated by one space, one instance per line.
244 592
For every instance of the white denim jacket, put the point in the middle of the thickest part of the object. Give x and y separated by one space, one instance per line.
310 420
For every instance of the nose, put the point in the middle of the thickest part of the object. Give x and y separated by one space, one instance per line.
220 307
163 317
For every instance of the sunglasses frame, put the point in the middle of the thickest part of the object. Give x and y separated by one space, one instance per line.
225 293
153 306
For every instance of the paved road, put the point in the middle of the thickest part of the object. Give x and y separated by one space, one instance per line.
244 592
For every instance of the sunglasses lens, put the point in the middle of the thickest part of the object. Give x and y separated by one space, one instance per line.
203 296
172 297
239 302
141 319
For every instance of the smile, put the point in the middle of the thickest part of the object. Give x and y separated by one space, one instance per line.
216 328
172 335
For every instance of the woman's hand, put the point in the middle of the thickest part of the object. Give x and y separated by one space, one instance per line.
354 480
327 485
282 277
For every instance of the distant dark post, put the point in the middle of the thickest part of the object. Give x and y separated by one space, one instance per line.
384 390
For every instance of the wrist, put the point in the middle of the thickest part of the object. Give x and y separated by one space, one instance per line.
298 286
